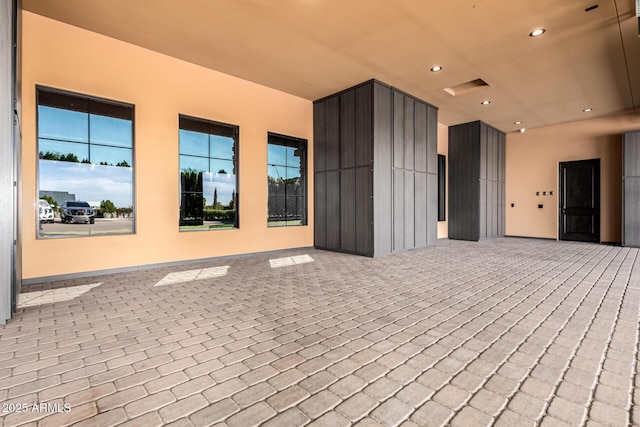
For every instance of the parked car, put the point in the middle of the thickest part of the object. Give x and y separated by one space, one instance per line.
77 211
45 213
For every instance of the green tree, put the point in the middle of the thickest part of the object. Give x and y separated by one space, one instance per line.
107 206
51 202
215 198
232 203
123 164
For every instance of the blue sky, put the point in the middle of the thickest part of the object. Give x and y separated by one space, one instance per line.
89 182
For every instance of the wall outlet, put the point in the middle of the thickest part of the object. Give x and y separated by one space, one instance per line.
540 206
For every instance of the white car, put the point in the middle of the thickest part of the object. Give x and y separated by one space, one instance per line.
45 213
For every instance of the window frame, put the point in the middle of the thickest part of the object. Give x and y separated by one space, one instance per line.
100 102
201 125
292 142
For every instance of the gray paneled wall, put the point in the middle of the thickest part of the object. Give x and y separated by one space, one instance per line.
631 189
7 159
476 181
375 175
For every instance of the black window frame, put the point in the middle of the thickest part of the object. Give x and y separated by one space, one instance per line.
442 187
74 101
212 128
302 145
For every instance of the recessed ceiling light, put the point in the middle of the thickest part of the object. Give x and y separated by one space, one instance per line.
485 102
537 33
519 122
522 130
436 68
586 110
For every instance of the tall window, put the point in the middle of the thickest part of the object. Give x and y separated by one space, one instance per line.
287 180
208 175
85 166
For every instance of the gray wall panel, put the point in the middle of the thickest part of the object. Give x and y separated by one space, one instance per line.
420 154
432 209
476 196
464 170
398 210
382 171
409 141
631 154
7 197
409 210
364 117
432 140
421 209
348 210
319 137
333 210
332 127
483 151
365 204
398 130
348 129
364 210
482 230
320 205
631 189
631 211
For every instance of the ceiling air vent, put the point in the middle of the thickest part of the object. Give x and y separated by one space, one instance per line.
466 87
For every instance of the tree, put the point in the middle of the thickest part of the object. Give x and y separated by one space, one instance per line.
51 202
107 206
215 198
123 164
222 171
232 203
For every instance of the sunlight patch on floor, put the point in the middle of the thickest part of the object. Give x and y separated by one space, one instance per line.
189 275
50 296
290 260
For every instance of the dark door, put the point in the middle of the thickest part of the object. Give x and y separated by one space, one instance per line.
580 200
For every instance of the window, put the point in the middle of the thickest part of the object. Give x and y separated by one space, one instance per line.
287 180
208 175
442 188
85 165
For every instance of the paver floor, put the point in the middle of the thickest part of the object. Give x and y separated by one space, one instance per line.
509 332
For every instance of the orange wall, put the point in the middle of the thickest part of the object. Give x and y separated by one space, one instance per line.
443 148
161 88
532 165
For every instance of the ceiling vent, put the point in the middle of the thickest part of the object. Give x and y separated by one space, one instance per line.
467 87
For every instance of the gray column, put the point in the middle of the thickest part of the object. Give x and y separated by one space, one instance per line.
7 160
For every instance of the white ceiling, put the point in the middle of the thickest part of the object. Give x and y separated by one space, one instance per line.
313 48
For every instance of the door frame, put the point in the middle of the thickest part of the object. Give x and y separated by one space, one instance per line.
597 195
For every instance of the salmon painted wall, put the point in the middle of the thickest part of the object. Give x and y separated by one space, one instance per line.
443 148
533 161
69 58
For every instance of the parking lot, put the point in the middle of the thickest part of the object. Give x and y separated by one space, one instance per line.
101 226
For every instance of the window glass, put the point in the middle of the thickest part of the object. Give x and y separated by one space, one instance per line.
111 131
64 125
194 143
208 175
286 181
85 166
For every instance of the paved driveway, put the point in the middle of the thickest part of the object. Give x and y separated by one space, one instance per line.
510 332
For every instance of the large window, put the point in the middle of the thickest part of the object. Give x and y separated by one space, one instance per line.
85 165
287 180
208 175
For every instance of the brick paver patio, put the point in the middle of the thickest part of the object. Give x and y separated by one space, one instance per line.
510 332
